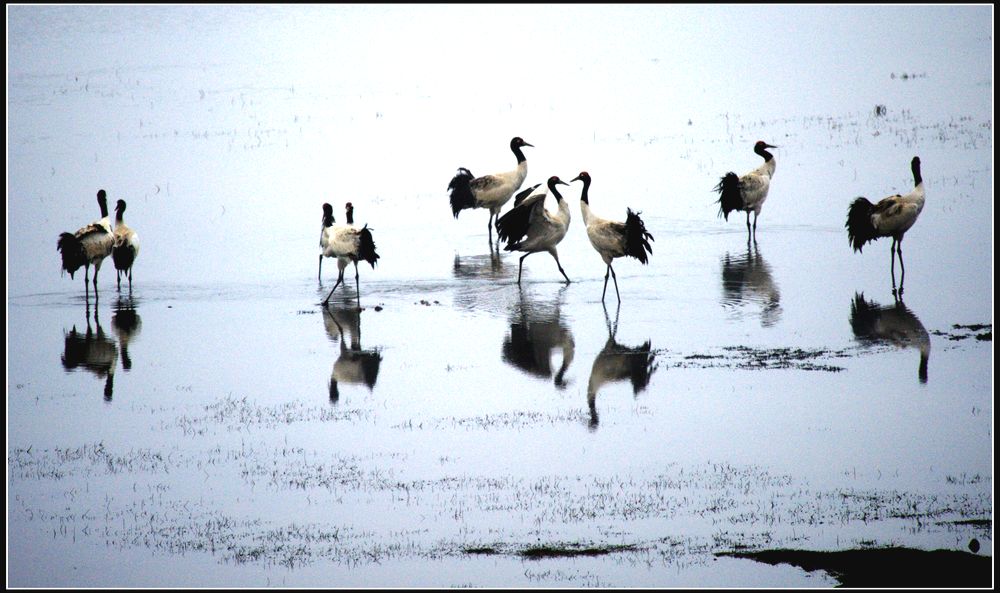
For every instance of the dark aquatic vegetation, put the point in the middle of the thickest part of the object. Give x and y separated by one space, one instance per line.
886 567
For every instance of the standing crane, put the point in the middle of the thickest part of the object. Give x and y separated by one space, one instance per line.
747 193
891 217
488 191
614 239
126 247
88 246
347 243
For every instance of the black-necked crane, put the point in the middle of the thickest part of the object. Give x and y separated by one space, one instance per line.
348 244
354 365
92 351
747 193
613 239
88 245
126 247
896 325
616 362
488 191
529 227
891 217
324 238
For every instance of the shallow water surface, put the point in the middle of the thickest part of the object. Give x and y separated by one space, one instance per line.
218 426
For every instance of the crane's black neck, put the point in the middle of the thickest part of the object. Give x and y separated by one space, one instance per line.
762 151
586 188
103 203
327 215
350 216
555 192
915 166
517 152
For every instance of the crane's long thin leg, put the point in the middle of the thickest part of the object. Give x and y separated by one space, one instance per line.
755 215
340 278
892 267
489 229
615 278
357 282
319 276
559 265
520 265
748 225
607 273
902 268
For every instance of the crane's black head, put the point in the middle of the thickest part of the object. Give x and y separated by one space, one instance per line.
348 206
585 178
120 206
915 167
517 142
101 195
761 145
554 181
327 215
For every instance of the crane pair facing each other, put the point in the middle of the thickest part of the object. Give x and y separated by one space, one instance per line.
348 244
529 227
91 244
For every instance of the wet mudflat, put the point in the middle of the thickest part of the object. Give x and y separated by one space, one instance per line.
220 427
461 431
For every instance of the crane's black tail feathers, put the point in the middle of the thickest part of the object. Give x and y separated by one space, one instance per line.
366 250
512 226
460 191
637 238
730 197
123 255
73 256
860 229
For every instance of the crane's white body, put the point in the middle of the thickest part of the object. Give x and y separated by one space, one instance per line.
890 217
89 245
545 229
612 239
530 228
754 186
